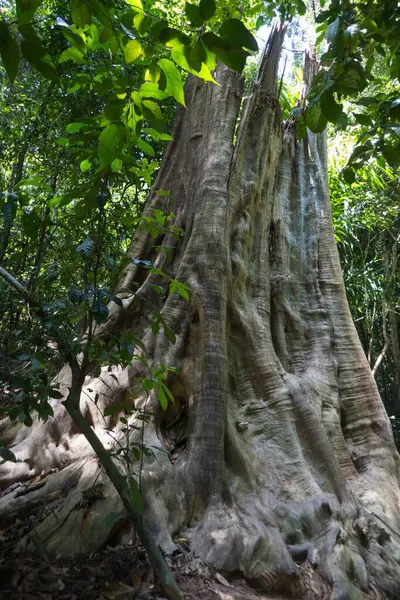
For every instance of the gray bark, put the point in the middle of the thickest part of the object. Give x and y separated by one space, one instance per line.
282 450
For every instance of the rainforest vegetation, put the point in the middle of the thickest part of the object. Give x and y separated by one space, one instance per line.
199 260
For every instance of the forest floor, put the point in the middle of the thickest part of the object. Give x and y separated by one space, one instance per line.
115 573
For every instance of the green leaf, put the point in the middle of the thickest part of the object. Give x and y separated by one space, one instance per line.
116 165
179 57
352 80
111 141
173 37
195 55
145 147
162 398
135 495
332 30
31 224
193 14
174 80
330 108
207 9
213 42
181 288
132 51
85 165
34 52
80 13
142 23
99 309
168 392
349 175
351 35
26 10
113 111
76 39
137 4
169 333
151 90
71 53
315 120
152 73
234 59
301 7
237 35
74 127
392 155
9 51
362 119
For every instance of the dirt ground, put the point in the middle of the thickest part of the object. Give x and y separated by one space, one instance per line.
116 573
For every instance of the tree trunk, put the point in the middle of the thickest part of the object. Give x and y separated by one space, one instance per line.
394 335
281 449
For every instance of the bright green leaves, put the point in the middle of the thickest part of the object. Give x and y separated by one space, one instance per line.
152 73
70 53
9 51
177 287
135 4
363 51
151 90
174 81
197 56
145 147
85 165
111 142
187 58
77 39
173 38
142 23
132 51
157 381
80 13
135 495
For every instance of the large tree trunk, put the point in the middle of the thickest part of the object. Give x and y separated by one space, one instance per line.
281 449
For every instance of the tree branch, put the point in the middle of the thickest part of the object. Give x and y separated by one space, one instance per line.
56 333
386 339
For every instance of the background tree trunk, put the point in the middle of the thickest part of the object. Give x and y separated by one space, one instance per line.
282 453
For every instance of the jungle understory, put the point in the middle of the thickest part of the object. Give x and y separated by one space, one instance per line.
280 450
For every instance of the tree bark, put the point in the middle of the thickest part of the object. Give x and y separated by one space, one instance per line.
281 448
394 335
